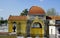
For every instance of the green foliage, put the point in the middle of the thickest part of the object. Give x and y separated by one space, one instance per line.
51 12
3 21
24 12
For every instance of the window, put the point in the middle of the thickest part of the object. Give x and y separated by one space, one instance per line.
57 21
40 15
37 25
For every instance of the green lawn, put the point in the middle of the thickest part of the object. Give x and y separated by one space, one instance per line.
8 36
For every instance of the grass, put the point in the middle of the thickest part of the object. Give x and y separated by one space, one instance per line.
8 36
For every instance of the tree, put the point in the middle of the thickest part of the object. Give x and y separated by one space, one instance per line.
51 12
3 21
1 18
24 12
6 21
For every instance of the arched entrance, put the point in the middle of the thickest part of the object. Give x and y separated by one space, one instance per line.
36 30
14 27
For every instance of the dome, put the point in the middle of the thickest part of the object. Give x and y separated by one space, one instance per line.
36 10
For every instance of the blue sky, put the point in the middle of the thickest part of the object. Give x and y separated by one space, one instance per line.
15 7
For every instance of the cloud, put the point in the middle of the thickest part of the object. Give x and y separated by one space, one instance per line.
1 9
41 0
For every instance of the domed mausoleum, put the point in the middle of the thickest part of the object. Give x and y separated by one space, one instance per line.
34 24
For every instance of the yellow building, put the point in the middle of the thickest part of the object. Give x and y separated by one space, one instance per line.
30 25
19 22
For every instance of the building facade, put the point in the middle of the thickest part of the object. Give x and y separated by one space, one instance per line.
54 26
35 24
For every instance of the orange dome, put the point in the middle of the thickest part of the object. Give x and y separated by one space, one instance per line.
36 10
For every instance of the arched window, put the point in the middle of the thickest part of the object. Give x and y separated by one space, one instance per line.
37 25
14 26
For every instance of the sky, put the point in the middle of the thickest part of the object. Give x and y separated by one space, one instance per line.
15 7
